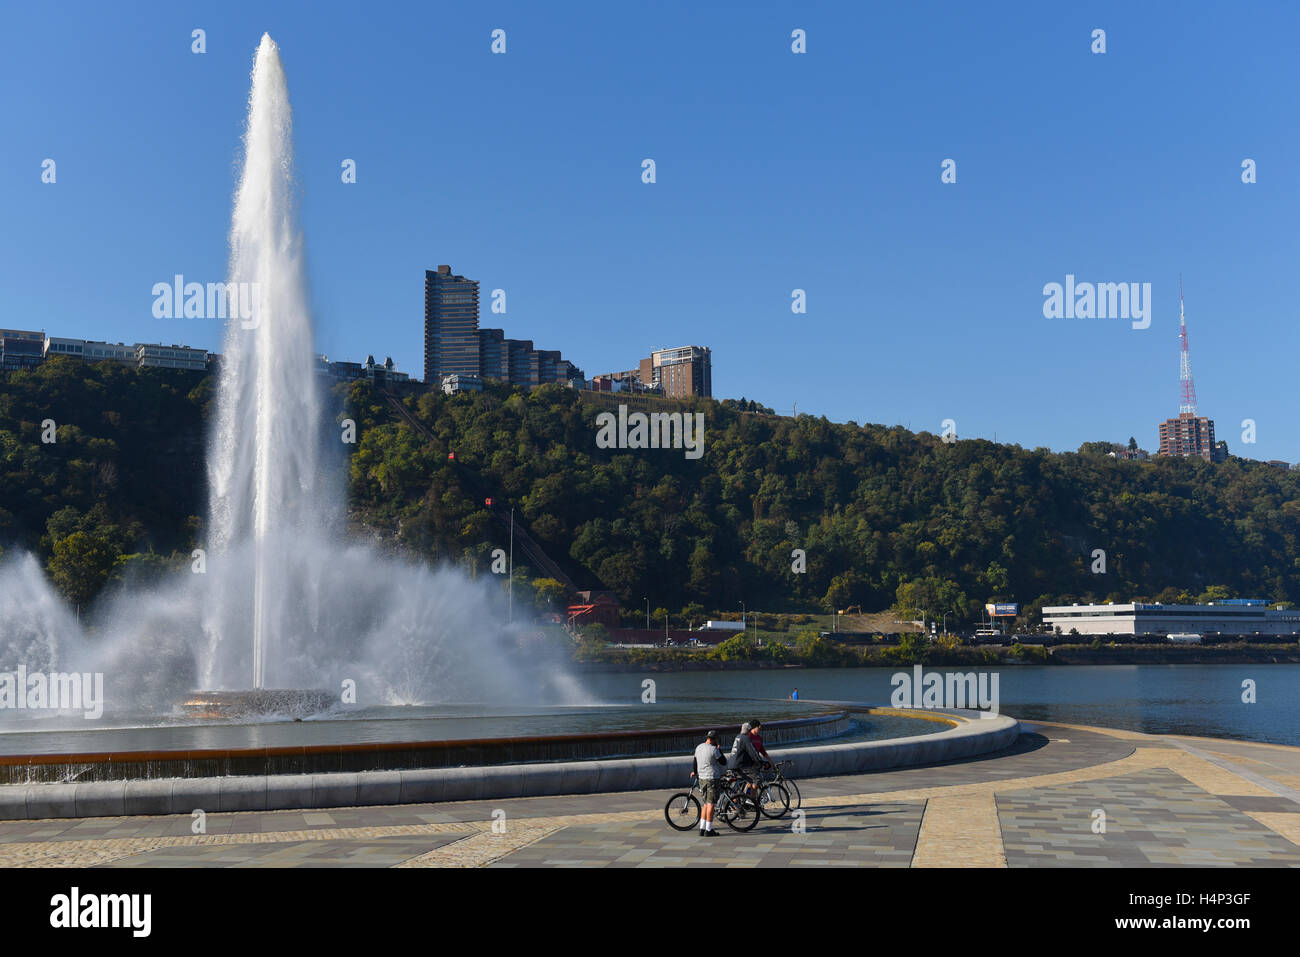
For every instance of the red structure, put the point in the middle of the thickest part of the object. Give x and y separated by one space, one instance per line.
595 608
1188 404
1190 435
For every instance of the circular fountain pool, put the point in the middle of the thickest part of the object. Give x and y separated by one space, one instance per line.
404 738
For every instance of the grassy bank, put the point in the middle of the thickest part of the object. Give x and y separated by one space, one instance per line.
809 651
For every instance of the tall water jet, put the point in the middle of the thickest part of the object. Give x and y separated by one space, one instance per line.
264 464
285 600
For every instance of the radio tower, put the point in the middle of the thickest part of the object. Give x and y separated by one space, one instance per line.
1188 404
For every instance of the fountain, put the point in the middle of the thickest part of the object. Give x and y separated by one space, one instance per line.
285 602
267 501
288 611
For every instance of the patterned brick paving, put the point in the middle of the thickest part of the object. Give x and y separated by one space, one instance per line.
1169 801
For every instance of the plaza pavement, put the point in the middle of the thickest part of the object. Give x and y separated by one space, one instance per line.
1165 800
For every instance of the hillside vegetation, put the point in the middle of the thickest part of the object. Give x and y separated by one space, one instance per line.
883 516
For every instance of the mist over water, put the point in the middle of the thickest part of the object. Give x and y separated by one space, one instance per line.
286 601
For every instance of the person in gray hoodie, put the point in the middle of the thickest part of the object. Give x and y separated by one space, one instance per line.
745 759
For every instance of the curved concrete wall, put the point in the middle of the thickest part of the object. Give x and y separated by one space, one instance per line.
395 756
971 736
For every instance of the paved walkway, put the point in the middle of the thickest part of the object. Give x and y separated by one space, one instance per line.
1064 796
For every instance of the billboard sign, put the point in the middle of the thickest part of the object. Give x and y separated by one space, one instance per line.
1002 609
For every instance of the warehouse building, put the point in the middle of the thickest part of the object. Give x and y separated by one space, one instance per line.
1242 616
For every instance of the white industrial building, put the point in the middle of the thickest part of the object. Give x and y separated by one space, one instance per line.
1246 616
171 357
142 354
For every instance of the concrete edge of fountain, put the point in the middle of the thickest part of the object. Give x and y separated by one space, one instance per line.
971 735
372 756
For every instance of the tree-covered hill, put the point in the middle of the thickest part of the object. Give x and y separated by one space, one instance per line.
123 479
873 508
882 515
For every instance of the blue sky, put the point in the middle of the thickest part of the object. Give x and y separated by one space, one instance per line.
775 171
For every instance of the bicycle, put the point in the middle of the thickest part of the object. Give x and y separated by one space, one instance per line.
683 808
792 789
773 799
738 811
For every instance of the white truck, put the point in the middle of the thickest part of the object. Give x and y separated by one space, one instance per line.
722 626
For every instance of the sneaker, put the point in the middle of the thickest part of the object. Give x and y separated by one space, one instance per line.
711 834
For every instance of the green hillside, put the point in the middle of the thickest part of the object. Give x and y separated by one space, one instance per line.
884 516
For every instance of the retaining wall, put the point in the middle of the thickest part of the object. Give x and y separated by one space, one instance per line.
263 792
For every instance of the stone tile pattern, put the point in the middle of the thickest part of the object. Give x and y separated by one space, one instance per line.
1153 818
1169 801
834 836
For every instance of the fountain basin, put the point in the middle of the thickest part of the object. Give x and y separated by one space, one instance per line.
391 756
970 735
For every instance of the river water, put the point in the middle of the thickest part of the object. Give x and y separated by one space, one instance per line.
1179 699
1160 699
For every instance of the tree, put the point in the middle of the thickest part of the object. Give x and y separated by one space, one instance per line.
996 579
841 592
81 564
1214 593
548 592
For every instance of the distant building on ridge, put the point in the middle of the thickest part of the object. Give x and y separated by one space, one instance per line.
455 345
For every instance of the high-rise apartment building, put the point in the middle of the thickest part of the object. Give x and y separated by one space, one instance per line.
523 362
494 354
455 345
451 340
681 372
1188 436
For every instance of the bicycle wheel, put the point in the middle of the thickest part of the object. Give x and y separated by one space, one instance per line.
683 811
774 800
737 812
796 799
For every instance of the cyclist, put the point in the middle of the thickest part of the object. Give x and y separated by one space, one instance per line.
708 767
756 738
743 758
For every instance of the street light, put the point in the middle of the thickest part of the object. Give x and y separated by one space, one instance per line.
743 626
647 614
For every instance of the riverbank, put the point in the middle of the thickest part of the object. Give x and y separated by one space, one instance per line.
830 655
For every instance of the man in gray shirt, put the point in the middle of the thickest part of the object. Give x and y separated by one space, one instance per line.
709 767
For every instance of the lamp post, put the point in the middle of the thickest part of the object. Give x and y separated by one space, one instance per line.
647 614
743 627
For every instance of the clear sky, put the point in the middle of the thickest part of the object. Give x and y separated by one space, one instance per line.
775 171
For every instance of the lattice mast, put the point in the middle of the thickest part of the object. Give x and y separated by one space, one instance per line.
1188 403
